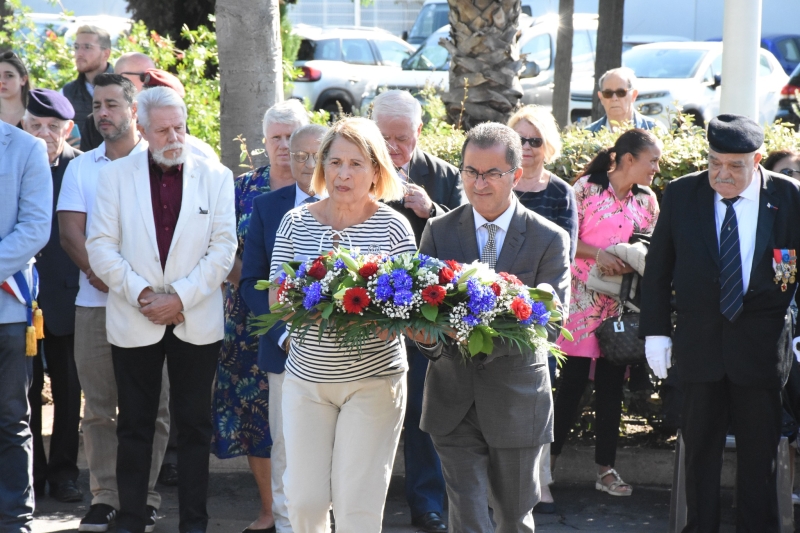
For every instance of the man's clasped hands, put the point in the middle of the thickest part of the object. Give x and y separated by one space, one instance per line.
160 308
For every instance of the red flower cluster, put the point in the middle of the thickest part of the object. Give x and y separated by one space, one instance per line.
368 270
521 308
510 278
446 275
317 269
455 266
496 289
356 299
281 289
434 294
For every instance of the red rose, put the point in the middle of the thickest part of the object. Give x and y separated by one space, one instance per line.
521 308
455 266
496 289
446 275
317 269
510 278
434 294
356 299
368 270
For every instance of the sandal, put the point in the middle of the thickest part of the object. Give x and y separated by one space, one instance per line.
612 487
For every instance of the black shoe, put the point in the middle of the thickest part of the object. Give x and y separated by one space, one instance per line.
66 491
150 519
265 530
545 508
98 518
430 523
168 475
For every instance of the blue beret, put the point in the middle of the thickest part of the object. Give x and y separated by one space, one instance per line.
49 103
734 134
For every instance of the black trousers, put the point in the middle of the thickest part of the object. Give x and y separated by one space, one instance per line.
137 371
608 382
59 351
755 413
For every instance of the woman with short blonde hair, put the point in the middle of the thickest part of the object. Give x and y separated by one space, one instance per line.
343 410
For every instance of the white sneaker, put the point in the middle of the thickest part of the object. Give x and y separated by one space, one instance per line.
795 498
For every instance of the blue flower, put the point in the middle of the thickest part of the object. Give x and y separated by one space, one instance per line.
423 260
401 280
384 291
471 320
402 297
540 314
281 278
301 271
339 265
481 297
313 295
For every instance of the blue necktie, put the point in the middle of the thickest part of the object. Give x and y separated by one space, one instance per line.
730 259
311 200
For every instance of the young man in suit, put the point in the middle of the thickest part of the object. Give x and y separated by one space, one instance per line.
433 187
722 238
489 417
25 213
268 210
163 239
49 117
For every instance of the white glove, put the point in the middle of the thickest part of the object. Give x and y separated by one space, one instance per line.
658 350
795 341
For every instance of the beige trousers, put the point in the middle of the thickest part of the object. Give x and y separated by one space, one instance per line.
96 374
278 453
341 439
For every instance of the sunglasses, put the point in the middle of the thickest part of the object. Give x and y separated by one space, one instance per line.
608 93
534 142
789 172
144 77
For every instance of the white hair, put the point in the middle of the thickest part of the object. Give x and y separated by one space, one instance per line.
290 112
397 103
625 73
155 98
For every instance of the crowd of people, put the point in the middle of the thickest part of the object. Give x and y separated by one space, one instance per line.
144 254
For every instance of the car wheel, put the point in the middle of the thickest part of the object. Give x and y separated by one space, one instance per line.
336 108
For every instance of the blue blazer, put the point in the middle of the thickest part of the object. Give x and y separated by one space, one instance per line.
268 211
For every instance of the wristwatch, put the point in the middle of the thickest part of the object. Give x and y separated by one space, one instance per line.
432 212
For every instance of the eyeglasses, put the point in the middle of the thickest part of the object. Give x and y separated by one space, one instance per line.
789 172
608 93
470 174
144 77
85 46
302 157
534 142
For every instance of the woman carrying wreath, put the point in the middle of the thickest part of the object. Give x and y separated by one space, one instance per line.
343 410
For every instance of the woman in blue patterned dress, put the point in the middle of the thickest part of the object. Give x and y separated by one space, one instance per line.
241 391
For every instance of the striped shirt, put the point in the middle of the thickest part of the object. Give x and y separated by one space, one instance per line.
301 237
557 204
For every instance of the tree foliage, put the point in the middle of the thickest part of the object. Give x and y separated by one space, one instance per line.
168 17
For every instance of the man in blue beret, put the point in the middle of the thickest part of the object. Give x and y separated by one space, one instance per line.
49 116
726 245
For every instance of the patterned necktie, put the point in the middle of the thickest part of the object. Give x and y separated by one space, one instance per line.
311 200
730 260
489 253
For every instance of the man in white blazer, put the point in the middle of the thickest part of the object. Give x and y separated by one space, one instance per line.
163 239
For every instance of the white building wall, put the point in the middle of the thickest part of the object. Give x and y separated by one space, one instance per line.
395 16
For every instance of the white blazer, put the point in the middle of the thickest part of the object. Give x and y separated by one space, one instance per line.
123 250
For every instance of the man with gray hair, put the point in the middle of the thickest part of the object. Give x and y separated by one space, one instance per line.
433 187
163 238
617 95
490 416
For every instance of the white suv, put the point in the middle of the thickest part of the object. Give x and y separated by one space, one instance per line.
337 64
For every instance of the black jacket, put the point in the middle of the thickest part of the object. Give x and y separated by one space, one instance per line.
755 350
442 182
58 275
79 97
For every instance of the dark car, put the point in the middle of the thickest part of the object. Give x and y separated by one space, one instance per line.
786 48
788 105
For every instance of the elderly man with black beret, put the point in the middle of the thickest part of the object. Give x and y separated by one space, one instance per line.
49 117
726 245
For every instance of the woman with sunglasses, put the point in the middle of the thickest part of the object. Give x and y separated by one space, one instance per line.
14 88
786 162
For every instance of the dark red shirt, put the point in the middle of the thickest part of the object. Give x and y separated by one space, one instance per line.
166 193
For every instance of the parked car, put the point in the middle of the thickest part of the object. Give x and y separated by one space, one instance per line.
337 63
788 110
686 73
430 64
629 41
786 48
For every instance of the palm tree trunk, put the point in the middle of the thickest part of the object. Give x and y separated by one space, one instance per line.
484 61
609 45
250 83
563 68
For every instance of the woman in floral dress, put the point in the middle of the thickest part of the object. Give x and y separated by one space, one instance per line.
241 391
614 202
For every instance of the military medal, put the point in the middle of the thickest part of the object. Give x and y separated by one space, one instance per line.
785 267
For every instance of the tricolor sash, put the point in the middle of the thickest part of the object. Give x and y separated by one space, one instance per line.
24 286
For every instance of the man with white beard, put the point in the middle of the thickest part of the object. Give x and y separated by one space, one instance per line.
163 240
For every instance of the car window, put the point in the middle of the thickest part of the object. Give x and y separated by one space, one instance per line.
716 65
538 50
790 49
430 18
430 56
392 52
326 49
764 66
582 54
357 51
663 62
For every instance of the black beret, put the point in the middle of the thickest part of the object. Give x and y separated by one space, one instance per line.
734 134
49 103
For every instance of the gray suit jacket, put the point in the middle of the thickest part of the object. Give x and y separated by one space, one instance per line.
512 393
26 207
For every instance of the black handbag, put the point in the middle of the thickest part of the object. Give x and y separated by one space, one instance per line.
619 336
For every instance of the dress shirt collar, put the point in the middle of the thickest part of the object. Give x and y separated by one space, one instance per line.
99 153
502 222
751 192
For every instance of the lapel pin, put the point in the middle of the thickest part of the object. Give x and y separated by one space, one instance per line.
203 211
770 206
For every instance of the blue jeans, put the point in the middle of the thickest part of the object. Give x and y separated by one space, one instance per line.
16 448
424 481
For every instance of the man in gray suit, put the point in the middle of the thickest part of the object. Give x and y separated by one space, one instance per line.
490 417
26 208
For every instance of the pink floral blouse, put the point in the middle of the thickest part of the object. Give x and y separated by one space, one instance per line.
603 220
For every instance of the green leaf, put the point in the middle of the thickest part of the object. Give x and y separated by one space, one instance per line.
339 295
488 344
465 276
347 282
262 285
566 334
349 261
475 342
430 312
327 309
289 270
541 331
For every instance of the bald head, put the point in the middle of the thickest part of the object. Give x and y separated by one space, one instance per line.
132 65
